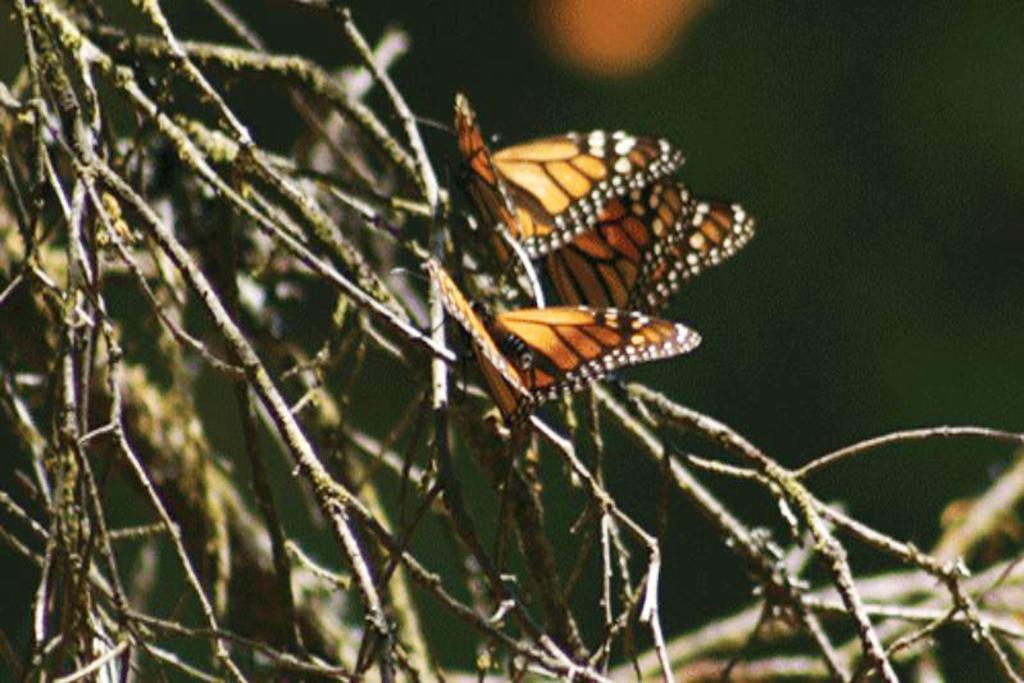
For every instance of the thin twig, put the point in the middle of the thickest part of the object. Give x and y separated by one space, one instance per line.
906 436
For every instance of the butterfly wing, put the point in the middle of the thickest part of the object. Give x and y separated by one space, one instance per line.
559 185
645 246
484 185
608 264
711 232
564 348
545 192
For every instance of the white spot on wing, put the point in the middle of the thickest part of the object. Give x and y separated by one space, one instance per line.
625 145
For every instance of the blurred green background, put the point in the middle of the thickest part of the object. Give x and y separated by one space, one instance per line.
880 147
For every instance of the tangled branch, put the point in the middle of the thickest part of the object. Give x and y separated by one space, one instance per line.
152 247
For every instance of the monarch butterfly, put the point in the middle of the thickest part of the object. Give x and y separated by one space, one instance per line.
546 191
613 231
532 355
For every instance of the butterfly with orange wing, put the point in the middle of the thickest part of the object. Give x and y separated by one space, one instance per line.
532 355
612 228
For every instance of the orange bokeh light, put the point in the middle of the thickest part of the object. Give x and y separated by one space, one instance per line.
614 38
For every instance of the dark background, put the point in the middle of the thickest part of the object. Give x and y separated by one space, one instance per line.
880 147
